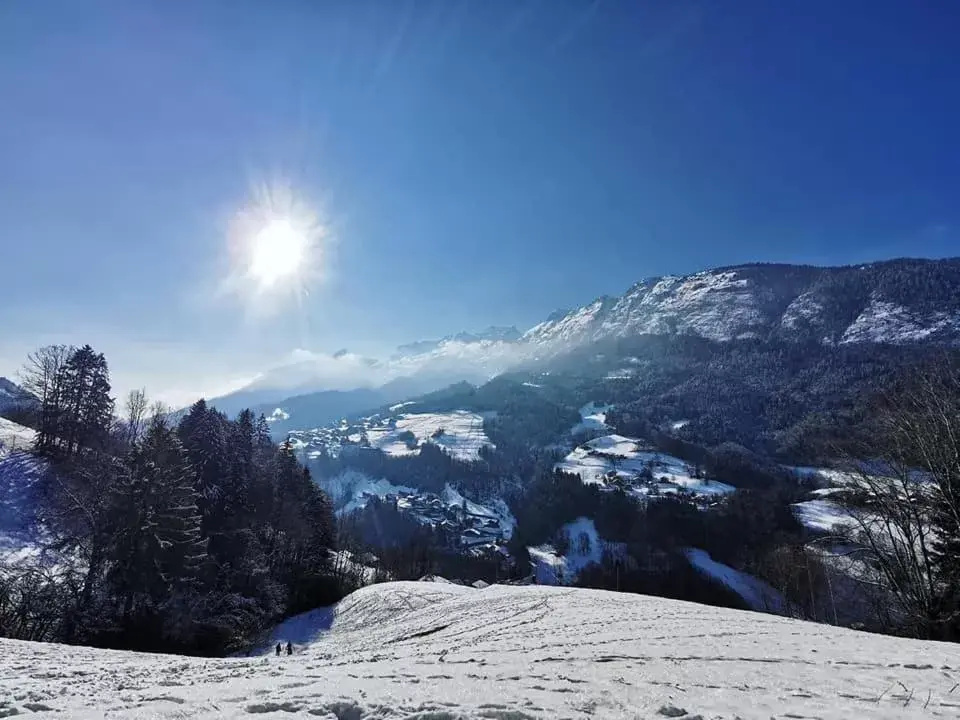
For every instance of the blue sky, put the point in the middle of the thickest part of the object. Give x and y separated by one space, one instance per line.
477 162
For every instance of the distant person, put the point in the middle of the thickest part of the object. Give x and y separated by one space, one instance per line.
289 648
279 646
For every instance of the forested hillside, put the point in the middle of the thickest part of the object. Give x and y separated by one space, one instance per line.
152 536
662 445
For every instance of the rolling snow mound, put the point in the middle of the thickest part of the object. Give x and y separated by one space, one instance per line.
432 651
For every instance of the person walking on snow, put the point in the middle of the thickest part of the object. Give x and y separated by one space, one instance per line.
278 649
289 648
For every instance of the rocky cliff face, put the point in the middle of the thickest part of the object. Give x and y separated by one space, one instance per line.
897 302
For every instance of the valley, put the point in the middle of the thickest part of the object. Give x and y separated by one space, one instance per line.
611 449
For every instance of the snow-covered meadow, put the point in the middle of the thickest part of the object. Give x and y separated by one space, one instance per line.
459 433
601 458
593 418
435 651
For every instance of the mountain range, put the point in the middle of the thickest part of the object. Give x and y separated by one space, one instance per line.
894 302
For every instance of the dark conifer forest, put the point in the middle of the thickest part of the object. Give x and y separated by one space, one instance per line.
188 536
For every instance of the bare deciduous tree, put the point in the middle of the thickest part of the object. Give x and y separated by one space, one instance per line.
905 503
41 376
40 372
136 414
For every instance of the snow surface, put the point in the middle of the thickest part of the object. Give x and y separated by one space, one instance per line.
15 437
883 321
299 630
823 515
427 651
805 310
20 532
351 489
593 417
595 460
497 509
755 592
462 437
551 568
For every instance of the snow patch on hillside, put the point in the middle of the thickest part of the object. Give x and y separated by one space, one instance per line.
574 327
883 321
593 417
15 437
459 433
278 415
496 509
610 458
20 530
586 548
805 309
719 305
824 515
415 651
755 592
351 489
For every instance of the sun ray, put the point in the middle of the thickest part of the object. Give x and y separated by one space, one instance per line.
277 245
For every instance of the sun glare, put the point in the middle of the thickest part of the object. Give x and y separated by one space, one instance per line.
279 247
278 251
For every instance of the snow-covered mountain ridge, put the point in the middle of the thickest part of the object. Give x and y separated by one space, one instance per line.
13 396
897 302
437 651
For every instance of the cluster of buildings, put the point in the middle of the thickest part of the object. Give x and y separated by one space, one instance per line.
465 527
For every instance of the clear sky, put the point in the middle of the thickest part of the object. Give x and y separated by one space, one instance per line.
475 162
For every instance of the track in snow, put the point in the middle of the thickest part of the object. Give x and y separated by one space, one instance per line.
428 651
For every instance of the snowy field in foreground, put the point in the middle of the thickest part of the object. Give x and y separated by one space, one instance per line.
431 651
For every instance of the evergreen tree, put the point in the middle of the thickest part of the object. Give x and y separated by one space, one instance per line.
157 548
85 409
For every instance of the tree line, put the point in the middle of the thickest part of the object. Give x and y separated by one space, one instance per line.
191 536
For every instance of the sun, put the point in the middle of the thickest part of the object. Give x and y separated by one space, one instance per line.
278 251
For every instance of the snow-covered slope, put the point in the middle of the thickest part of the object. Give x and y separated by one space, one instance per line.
12 395
350 489
875 303
20 470
432 651
14 437
616 459
593 418
757 594
586 547
459 433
